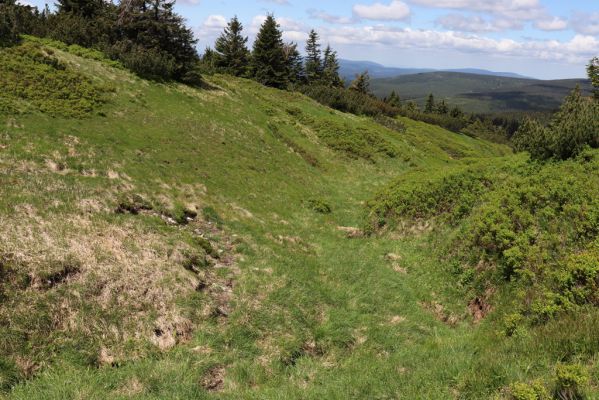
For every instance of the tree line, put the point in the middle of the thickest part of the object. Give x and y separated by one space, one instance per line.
146 36
271 61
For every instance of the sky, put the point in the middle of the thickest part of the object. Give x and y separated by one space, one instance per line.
547 39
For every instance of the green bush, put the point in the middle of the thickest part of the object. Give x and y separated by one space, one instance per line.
533 391
532 226
32 78
573 128
319 206
349 101
450 194
355 141
570 382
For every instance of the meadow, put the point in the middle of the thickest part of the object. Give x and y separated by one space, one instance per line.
235 241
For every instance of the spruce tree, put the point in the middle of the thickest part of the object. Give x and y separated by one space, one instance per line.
593 71
80 8
429 108
442 108
393 99
268 59
294 62
456 112
361 84
330 69
233 55
9 29
313 58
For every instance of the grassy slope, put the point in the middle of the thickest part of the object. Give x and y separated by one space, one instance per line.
314 314
480 93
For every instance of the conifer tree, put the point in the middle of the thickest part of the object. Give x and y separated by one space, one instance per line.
429 108
330 69
268 59
294 62
233 55
393 99
593 71
9 30
442 108
361 84
80 8
313 58
456 112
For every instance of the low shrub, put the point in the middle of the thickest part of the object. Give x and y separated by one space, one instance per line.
32 78
319 206
571 130
570 382
525 391
532 226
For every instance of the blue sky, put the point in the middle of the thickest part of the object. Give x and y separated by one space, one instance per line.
541 38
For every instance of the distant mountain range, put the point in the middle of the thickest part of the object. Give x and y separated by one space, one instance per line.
481 93
349 70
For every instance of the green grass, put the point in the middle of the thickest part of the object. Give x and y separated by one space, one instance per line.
291 308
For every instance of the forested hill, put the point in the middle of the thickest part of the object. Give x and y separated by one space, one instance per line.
481 93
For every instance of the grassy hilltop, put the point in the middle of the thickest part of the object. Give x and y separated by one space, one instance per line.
159 241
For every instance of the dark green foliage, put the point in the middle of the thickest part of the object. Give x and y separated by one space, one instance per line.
46 84
593 72
351 101
393 100
9 29
82 8
295 63
232 53
429 108
268 61
448 194
314 67
361 84
442 108
208 61
355 142
574 127
151 32
319 206
456 112
330 69
534 226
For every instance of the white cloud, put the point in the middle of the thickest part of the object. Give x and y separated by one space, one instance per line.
396 11
578 50
293 31
516 9
462 23
211 28
587 24
552 24
331 19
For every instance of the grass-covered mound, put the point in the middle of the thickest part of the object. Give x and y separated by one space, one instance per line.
32 78
533 227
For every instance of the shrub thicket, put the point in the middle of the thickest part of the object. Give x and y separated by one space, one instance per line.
31 78
536 226
573 128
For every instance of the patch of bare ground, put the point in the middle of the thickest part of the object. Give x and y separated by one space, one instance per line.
214 379
479 307
351 232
